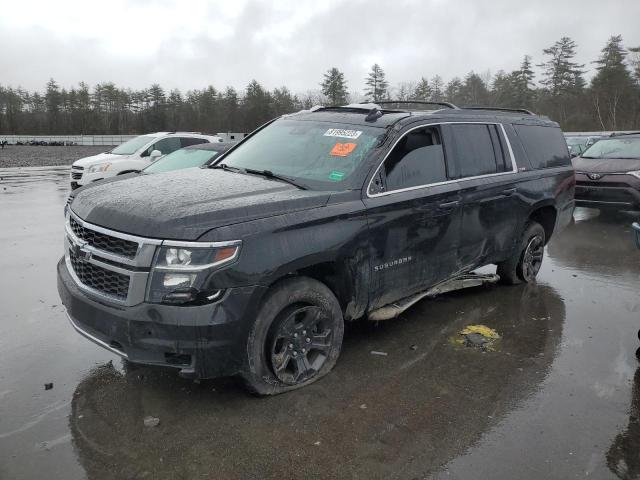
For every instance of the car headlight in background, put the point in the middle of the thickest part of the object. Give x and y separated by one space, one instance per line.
181 269
635 173
101 167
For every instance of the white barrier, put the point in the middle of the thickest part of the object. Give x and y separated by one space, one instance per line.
97 139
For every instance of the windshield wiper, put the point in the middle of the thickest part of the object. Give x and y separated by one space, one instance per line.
275 176
229 168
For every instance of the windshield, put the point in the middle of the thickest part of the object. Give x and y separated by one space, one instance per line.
133 145
184 158
614 148
571 141
320 154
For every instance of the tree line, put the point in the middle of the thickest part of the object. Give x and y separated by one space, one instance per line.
609 101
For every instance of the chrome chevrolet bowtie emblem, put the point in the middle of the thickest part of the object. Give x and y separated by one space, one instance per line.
594 176
80 253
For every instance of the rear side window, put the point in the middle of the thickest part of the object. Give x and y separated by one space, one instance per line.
478 149
417 159
166 145
545 146
188 141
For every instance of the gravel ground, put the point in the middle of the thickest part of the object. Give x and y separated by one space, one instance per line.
27 156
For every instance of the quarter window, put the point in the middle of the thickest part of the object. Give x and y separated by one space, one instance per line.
188 141
545 146
417 159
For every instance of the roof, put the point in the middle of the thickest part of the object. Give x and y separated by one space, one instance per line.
217 147
377 115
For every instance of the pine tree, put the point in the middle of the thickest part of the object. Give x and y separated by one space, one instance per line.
561 73
635 63
523 85
334 87
423 90
474 91
376 84
613 86
437 84
52 100
452 90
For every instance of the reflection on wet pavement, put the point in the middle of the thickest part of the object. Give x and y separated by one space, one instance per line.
552 401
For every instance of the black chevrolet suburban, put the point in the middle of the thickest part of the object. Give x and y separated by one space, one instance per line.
251 265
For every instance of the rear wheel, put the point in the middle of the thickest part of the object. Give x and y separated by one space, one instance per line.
524 265
296 339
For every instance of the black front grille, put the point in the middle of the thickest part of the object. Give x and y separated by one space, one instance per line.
105 281
582 183
76 175
104 242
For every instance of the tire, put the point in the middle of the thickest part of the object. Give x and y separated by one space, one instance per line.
296 338
525 263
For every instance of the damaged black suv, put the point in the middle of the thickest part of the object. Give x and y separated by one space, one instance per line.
250 266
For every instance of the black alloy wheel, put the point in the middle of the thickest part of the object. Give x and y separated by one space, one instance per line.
532 258
300 344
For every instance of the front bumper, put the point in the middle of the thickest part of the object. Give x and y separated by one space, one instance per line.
202 341
610 191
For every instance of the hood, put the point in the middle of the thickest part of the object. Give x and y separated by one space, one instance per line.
100 158
185 204
605 165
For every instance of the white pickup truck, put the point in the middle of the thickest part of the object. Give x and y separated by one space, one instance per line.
133 155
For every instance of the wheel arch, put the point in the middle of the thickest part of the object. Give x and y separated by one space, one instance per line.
338 277
545 214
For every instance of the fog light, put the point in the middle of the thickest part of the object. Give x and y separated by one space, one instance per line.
178 280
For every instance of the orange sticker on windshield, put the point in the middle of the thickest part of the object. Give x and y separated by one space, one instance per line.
343 149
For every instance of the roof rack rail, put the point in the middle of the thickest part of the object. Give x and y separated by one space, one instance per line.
501 109
615 134
420 102
372 110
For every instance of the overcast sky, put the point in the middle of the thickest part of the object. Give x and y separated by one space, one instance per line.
195 43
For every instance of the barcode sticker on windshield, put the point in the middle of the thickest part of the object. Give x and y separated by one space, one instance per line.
338 132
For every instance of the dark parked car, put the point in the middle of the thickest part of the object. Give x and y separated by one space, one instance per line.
189 157
251 267
608 173
579 143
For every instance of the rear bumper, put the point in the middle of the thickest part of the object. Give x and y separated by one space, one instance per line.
202 341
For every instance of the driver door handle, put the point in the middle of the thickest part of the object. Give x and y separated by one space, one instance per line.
449 205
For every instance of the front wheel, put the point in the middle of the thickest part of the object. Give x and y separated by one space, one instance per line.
296 339
525 263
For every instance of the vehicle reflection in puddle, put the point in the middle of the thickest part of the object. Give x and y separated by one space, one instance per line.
414 400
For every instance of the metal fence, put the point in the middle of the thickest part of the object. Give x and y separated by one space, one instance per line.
77 139
96 139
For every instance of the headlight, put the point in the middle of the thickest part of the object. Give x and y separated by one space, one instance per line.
635 173
181 270
101 167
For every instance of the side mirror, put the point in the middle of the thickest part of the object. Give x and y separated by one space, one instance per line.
155 155
573 154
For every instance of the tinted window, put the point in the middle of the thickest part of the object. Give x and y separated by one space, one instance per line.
188 141
417 159
545 146
474 149
166 145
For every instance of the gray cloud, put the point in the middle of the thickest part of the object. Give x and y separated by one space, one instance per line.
295 43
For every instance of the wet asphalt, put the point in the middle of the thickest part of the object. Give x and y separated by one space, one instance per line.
558 398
